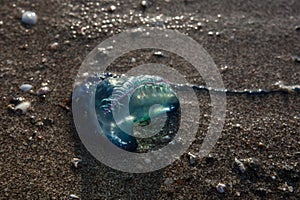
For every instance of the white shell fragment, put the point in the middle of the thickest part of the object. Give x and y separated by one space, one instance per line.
23 106
192 158
76 161
158 53
29 18
25 87
221 187
73 196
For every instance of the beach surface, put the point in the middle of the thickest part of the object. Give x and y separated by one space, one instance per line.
254 44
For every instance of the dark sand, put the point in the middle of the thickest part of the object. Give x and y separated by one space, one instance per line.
257 42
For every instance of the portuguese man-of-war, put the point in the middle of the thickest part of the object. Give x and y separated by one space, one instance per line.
140 93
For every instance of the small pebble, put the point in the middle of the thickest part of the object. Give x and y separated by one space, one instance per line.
297 28
45 83
44 60
240 165
43 91
32 119
11 107
133 60
16 100
165 139
210 33
147 161
237 125
23 47
261 145
112 8
290 189
23 107
210 159
296 58
48 121
252 163
144 3
168 181
221 187
286 187
103 50
25 87
9 62
297 153
39 124
224 68
54 46
29 18
76 161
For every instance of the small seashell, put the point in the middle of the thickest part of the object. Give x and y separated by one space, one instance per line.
221 187
23 106
25 87
29 18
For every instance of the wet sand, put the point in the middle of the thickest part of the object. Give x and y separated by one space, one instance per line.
254 49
